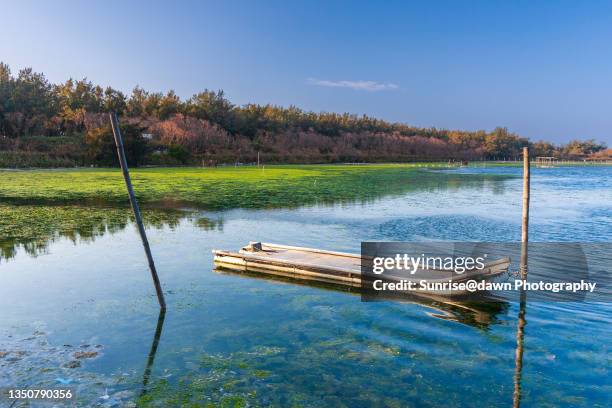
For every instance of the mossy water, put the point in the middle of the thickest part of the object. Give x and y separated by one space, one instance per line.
226 187
238 340
31 224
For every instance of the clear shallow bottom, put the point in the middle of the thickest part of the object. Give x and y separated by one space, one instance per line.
232 339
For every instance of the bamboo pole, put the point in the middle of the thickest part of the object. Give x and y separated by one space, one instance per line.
522 320
526 182
135 208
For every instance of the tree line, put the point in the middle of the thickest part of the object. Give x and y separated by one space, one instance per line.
49 124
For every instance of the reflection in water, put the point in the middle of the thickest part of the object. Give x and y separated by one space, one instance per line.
151 358
520 330
479 314
518 364
33 228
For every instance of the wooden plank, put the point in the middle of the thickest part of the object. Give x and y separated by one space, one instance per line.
313 250
284 263
298 274
327 266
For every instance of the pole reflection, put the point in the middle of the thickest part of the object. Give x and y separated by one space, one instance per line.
520 332
153 351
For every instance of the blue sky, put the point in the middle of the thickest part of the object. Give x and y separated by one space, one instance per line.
541 68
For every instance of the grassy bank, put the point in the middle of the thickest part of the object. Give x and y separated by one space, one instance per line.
224 187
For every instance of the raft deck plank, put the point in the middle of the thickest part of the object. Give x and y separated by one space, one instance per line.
321 265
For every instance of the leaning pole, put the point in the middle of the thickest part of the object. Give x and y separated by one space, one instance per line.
128 183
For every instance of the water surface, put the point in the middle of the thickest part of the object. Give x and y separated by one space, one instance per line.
80 282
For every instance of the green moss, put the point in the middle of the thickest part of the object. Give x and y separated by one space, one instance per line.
223 187
32 226
261 373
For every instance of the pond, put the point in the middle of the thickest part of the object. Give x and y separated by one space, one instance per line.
79 309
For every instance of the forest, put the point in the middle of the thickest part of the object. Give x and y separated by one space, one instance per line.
66 125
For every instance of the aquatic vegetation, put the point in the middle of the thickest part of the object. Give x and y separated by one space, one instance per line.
230 187
33 227
34 359
218 381
236 340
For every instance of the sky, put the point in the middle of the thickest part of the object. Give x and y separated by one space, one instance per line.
541 68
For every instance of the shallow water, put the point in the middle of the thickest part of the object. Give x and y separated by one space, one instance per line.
234 339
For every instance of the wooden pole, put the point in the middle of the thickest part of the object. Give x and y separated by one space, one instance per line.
525 229
522 320
525 218
135 208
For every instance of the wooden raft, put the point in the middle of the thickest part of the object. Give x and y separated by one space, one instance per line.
310 264
294 262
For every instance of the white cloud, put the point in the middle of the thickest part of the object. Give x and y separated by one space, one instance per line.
356 85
